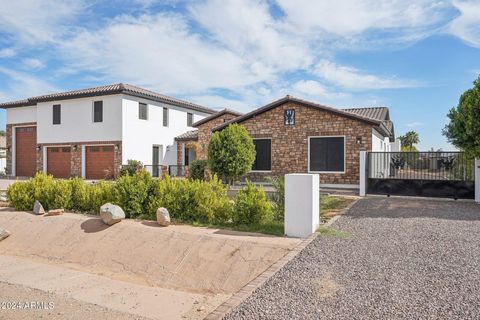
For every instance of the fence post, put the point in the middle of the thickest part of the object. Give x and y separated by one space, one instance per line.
363 174
477 180
302 204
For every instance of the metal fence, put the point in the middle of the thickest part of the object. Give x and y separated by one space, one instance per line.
154 170
176 171
451 166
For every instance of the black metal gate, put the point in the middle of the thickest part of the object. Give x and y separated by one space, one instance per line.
423 174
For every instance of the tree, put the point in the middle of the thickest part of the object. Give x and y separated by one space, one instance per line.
231 152
409 140
463 131
3 133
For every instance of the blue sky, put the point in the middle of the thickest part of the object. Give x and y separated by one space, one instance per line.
416 56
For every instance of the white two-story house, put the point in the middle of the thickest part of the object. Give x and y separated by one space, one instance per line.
92 132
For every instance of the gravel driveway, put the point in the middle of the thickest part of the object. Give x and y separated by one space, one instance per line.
401 259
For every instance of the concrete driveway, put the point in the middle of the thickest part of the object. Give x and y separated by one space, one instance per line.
394 259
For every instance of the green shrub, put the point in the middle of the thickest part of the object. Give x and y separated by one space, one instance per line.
131 168
197 169
251 206
80 195
100 193
278 197
132 193
60 195
42 185
20 195
191 200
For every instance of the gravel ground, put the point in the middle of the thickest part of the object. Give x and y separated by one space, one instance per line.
404 259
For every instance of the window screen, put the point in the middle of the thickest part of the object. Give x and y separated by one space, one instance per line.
165 117
263 159
189 119
327 154
57 113
98 111
142 111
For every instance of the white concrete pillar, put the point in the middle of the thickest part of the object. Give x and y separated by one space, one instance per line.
477 180
363 173
302 204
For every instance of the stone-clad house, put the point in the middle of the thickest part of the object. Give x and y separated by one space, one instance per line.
297 136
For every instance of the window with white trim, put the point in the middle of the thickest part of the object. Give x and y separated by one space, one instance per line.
263 158
327 154
142 111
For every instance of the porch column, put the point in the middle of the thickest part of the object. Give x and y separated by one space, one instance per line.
477 180
363 173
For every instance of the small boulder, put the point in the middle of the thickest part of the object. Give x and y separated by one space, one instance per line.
54 212
3 234
38 208
163 217
111 214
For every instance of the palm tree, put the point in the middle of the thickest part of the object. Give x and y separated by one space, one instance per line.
409 139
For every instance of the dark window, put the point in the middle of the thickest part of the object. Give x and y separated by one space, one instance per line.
142 111
327 154
289 116
189 119
98 111
263 159
57 114
165 117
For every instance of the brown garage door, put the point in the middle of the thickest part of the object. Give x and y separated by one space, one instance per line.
58 161
99 162
25 151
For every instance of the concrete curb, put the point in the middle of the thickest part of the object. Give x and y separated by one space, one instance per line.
241 295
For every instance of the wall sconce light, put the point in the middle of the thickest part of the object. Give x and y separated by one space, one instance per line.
9 149
359 140
74 147
116 147
39 148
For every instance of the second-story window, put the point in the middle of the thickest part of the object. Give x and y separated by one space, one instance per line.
189 119
165 117
98 111
142 111
57 114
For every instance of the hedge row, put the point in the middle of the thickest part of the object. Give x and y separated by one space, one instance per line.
140 195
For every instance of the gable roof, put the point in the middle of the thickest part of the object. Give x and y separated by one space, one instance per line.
189 135
378 113
118 88
306 103
216 115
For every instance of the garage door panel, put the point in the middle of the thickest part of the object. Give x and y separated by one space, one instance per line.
25 151
59 161
99 162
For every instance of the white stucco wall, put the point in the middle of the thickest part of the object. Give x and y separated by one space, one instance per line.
139 136
380 143
22 115
396 146
77 120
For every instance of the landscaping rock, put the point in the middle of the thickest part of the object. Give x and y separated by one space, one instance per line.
111 214
3 234
38 208
163 217
54 212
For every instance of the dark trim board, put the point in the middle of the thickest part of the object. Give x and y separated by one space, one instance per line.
455 189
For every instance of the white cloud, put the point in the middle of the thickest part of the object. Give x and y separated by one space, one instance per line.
414 124
466 26
7 53
32 63
22 85
36 21
354 79
313 88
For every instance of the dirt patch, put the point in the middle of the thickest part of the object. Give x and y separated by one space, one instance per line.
326 286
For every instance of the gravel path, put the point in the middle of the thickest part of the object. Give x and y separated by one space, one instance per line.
405 259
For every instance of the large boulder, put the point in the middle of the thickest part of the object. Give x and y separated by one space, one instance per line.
163 217
38 208
111 213
3 234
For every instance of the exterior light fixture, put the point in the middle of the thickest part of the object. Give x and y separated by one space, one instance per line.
116 147
39 148
74 147
359 140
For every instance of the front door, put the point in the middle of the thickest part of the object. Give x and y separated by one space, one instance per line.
157 154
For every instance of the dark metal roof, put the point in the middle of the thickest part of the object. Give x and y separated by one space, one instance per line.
189 135
306 103
216 115
378 113
119 88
